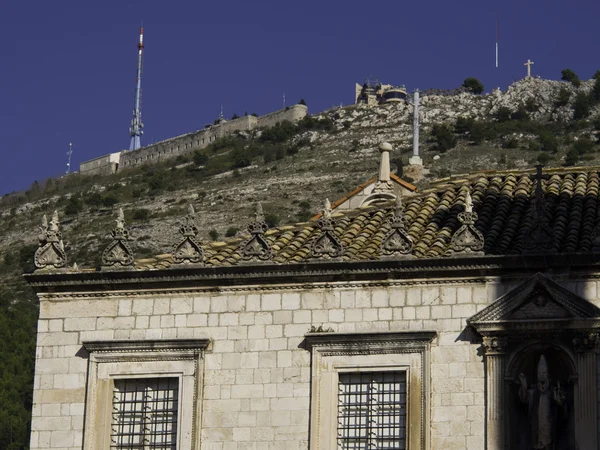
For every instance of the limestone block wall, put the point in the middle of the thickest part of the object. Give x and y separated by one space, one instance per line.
104 165
256 377
292 113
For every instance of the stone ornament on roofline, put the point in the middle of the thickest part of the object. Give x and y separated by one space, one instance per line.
51 252
467 239
118 253
256 247
188 249
539 238
397 241
327 245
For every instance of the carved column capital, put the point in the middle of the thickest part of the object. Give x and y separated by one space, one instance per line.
586 342
494 345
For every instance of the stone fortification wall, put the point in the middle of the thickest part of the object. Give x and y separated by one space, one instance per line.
180 145
104 165
186 143
291 113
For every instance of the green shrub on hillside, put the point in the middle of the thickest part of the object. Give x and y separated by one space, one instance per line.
571 77
582 106
548 141
583 145
473 85
571 158
443 137
463 125
562 98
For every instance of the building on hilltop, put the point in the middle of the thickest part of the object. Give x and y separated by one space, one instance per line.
373 94
465 316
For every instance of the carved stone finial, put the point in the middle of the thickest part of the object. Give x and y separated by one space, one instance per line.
256 246
384 185
118 252
468 203
188 249
467 239
397 241
327 244
539 238
51 252
495 345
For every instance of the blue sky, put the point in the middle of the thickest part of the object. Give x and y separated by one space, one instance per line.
67 69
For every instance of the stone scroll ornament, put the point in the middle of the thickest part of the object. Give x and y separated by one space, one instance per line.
397 241
327 245
51 252
188 249
118 252
467 238
256 247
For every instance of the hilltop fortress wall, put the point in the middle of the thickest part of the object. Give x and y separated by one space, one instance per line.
187 143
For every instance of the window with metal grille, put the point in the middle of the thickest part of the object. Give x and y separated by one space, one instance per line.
145 414
372 410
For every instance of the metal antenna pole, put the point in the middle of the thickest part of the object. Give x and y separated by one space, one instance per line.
135 132
69 153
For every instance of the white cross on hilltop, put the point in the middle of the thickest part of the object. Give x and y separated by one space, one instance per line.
528 64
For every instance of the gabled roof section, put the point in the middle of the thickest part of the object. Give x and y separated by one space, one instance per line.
538 299
395 178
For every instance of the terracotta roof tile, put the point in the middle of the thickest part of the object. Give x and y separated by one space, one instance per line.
504 203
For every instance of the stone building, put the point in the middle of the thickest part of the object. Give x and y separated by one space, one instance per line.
464 317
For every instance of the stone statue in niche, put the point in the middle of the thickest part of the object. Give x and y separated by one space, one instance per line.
546 402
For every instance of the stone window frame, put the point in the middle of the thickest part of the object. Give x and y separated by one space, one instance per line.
111 360
335 353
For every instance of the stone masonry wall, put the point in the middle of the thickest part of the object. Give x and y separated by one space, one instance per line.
292 113
256 378
187 143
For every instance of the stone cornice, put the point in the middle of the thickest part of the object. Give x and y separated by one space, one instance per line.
384 271
158 345
361 343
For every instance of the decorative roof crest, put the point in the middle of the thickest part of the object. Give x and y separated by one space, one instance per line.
188 249
256 246
51 252
397 241
539 238
327 244
118 252
467 239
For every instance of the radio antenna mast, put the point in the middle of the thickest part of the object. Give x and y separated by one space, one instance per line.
69 153
135 132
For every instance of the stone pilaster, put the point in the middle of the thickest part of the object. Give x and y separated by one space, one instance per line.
586 397
495 347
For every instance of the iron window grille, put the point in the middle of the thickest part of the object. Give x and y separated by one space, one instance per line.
372 410
145 414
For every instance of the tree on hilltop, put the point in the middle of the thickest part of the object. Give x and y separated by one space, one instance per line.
571 77
473 85
302 102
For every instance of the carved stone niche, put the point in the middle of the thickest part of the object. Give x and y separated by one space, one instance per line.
540 345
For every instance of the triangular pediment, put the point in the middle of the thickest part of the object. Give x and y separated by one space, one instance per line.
539 299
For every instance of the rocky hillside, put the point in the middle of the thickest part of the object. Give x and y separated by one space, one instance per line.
290 169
